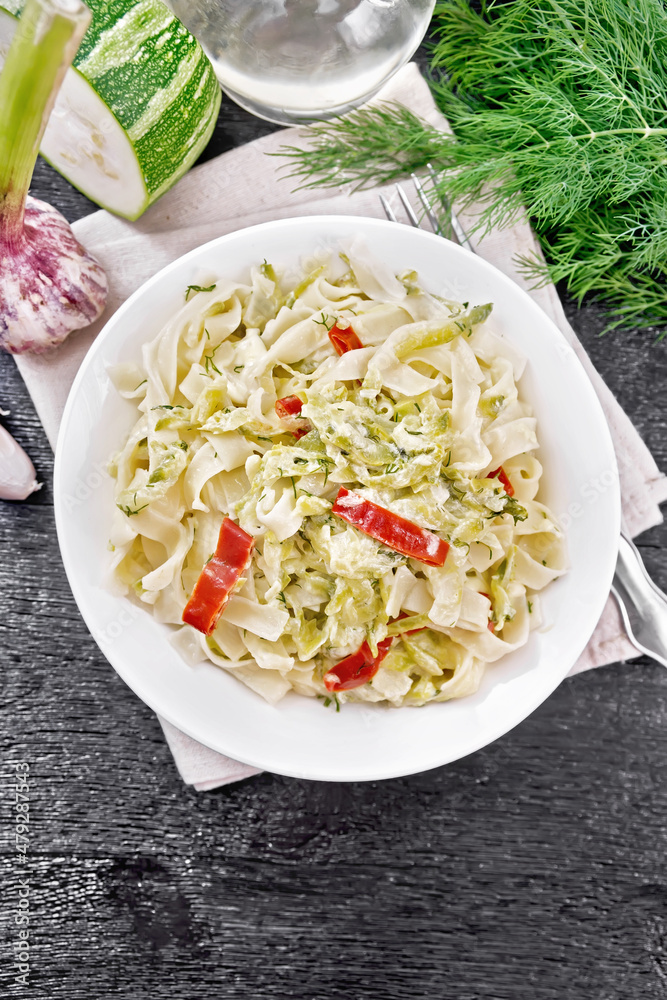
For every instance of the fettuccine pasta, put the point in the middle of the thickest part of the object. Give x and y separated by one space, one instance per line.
279 401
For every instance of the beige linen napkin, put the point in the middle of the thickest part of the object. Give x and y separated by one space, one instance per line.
245 187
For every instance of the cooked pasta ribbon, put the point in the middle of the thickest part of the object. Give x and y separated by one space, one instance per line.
263 402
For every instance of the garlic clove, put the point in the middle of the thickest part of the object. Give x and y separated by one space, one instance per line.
17 473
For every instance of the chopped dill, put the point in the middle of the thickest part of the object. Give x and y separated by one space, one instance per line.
197 288
327 322
210 363
128 510
330 700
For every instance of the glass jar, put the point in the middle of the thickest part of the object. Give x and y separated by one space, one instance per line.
296 61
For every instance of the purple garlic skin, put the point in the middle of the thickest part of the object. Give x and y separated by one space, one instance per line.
49 284
17 473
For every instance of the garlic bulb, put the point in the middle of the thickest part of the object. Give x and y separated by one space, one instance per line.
49 284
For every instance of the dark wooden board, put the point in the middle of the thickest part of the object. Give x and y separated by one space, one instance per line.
533 870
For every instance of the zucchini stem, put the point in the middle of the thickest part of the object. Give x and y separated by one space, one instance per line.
45 42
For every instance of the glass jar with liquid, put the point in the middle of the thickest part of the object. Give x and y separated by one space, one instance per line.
296 61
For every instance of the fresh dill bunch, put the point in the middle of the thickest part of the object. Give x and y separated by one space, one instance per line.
558 108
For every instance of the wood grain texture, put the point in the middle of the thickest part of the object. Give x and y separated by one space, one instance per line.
533 870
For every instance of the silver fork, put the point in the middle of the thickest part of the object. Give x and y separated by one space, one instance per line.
445 223
642 604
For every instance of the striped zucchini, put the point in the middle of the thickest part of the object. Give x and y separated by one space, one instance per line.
137 108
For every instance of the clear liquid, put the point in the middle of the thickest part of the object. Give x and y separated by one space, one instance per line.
299 60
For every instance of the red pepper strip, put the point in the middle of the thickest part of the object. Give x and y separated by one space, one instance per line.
288 406
214 586
357 669
488 596
361 666
344 339
395 532
502 476
288 409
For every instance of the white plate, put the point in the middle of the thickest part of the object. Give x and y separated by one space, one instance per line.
300 737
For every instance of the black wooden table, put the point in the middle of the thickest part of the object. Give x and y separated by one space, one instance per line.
532 870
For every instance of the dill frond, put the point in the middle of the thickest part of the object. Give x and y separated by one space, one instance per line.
366 147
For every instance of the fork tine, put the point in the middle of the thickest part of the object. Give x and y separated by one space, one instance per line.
388 210
407 206
442 197
426 205
459 231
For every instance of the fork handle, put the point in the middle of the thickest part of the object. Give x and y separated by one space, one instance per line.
643 606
